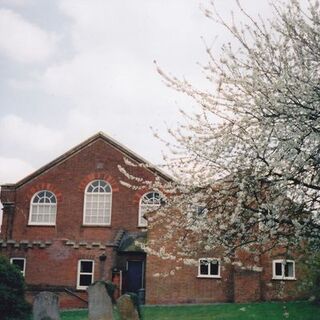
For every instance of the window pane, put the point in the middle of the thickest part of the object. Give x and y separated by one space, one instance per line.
85 279
278 268
288 269
107 188
19 263
214 268
151 198
41 194
86 266
95 183
204 267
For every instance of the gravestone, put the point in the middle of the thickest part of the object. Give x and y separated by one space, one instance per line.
126 308
46 306
100 305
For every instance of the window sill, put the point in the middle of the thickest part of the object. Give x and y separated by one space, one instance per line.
209 277
40 225
285 279
81 289
96 225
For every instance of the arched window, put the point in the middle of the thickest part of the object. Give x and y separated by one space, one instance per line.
149 202
43 208
97 203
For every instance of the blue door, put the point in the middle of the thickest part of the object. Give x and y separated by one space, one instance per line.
135 276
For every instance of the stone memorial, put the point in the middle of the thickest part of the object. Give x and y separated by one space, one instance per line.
100 305
46 306
127 309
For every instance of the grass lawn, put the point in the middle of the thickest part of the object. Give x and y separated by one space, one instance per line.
256 311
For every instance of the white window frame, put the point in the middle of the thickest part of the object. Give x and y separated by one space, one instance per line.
142 222
79 287
85 204
283 263
23 271
33 223
209 260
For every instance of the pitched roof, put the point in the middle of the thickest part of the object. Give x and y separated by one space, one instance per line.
100 135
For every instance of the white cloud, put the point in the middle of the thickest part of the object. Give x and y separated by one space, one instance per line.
99 79
16 133
104 76
23 41
16 3
13 169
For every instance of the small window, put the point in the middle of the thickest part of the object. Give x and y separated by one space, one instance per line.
85 274
199 209
43 208
149 202
20 263
97 203
209 268
283 269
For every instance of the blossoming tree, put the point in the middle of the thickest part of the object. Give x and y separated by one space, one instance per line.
253 177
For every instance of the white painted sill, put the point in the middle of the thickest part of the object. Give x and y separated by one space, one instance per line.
208 277
284 279
83 288
95 225
42 224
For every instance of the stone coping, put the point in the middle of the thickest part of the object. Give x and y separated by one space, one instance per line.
42 244
25 243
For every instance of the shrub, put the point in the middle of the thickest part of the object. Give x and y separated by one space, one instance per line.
312 279
13 305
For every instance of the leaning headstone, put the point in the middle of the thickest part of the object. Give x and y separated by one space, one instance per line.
46 306
126 308
100 305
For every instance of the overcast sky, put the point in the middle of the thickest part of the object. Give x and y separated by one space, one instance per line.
71 68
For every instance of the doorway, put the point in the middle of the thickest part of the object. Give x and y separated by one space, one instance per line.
135 275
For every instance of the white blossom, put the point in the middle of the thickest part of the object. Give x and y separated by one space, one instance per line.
250 154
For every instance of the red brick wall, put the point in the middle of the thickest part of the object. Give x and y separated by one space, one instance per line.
55 265
277 289
183 286
247 286
241 286
249 278
68 181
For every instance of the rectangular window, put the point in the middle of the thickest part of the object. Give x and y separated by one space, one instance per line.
20 263
209 268
283 269
85 274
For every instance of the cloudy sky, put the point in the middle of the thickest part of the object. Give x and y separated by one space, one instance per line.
71 68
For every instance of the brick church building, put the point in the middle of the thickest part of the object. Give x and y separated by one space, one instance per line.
72 222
